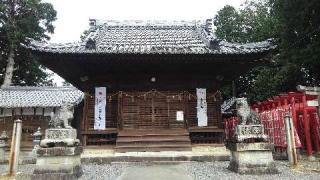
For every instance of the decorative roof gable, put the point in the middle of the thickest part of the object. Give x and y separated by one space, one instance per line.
152 37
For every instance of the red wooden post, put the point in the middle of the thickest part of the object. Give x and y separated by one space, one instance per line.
294 112
306 126
313 119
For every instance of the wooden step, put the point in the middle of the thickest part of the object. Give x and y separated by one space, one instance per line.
153 131
153 140
159 143
154 149
154 146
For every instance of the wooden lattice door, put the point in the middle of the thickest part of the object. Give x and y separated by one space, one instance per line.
153 111
145 110
160 113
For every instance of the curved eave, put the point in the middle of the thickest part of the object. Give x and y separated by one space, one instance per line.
224 48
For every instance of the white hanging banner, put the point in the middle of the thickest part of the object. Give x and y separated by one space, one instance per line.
100 108
202 107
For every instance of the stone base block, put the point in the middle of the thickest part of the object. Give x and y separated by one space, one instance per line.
3 154
252 158
54 176
58 163
60 137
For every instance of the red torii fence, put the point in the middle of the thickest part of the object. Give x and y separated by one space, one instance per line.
272 112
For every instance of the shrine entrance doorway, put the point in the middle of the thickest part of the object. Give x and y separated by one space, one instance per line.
151 110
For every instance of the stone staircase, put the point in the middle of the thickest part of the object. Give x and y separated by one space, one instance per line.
151 140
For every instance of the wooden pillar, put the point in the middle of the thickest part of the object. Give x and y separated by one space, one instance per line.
294 112
119 116
84 121
306 124
152 106
315 133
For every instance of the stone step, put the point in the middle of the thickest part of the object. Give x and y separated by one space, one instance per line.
144 158
159 143
151 149
154 139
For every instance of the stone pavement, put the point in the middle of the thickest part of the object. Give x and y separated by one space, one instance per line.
199 153
156 172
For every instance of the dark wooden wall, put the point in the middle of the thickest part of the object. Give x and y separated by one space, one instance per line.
153 109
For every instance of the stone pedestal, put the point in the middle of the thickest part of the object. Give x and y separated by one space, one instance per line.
58 156
251 158
60 137
3 146
2 154
58 163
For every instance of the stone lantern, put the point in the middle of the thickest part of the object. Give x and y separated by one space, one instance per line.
37 137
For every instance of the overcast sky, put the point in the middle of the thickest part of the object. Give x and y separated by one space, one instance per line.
73 15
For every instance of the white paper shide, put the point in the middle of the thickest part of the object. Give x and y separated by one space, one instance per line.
100 108
180 116
202 107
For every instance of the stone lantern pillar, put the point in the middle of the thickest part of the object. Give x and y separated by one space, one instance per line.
32 157
3 146
37 137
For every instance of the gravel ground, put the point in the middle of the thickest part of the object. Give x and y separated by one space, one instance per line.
106 171
218 170
196 170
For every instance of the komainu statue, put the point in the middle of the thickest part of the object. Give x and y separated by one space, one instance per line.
62 118
60 133
245 114
250 127
251 152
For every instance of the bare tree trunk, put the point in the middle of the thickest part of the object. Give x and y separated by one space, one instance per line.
11 55
9 69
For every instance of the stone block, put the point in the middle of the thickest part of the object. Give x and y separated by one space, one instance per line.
2 155
60 137
250 146
59 151
58 163
253 131
252 158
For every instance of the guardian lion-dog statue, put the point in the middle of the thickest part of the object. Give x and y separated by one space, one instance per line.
62 118
246 115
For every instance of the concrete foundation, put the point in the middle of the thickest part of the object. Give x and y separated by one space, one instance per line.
252 158
3 158
3 146
58 163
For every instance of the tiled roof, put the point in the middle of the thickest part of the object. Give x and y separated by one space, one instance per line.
151 37
14 96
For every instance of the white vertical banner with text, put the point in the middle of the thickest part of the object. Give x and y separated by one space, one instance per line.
100 108
202 107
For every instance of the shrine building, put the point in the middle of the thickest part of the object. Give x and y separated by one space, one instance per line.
161 81
33 105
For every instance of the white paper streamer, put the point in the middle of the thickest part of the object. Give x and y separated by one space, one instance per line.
202 107
100 108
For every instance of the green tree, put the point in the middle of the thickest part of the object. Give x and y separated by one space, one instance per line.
300 36
227 24
20 20
254 22
296 26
